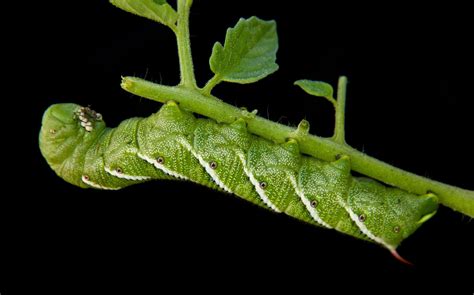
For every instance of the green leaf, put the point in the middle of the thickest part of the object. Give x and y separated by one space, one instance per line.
317 88
249 52
157 10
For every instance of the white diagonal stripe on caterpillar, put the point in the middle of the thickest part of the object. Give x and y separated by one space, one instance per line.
364 228
205 165
312 211
161 167
90 183
125 176
256 184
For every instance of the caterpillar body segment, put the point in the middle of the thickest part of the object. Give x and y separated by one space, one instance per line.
326 185
120 159
384 210
174 144
166 141
224 148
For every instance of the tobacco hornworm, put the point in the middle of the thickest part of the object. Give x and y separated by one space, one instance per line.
174 144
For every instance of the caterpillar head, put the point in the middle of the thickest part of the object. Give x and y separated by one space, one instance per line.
66 132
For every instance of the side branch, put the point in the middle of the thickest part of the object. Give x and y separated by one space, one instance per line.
184 45
340 106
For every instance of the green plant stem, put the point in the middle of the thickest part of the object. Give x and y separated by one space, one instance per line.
184 45
206 90
339 129
322 148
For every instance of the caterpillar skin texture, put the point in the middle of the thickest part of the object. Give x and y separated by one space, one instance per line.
173 144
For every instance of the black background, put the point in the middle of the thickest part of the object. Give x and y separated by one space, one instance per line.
409 103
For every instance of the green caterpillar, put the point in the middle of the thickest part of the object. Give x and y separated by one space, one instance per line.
174 144
276 167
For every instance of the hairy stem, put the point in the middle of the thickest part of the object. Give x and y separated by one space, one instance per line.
184 45
322 148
